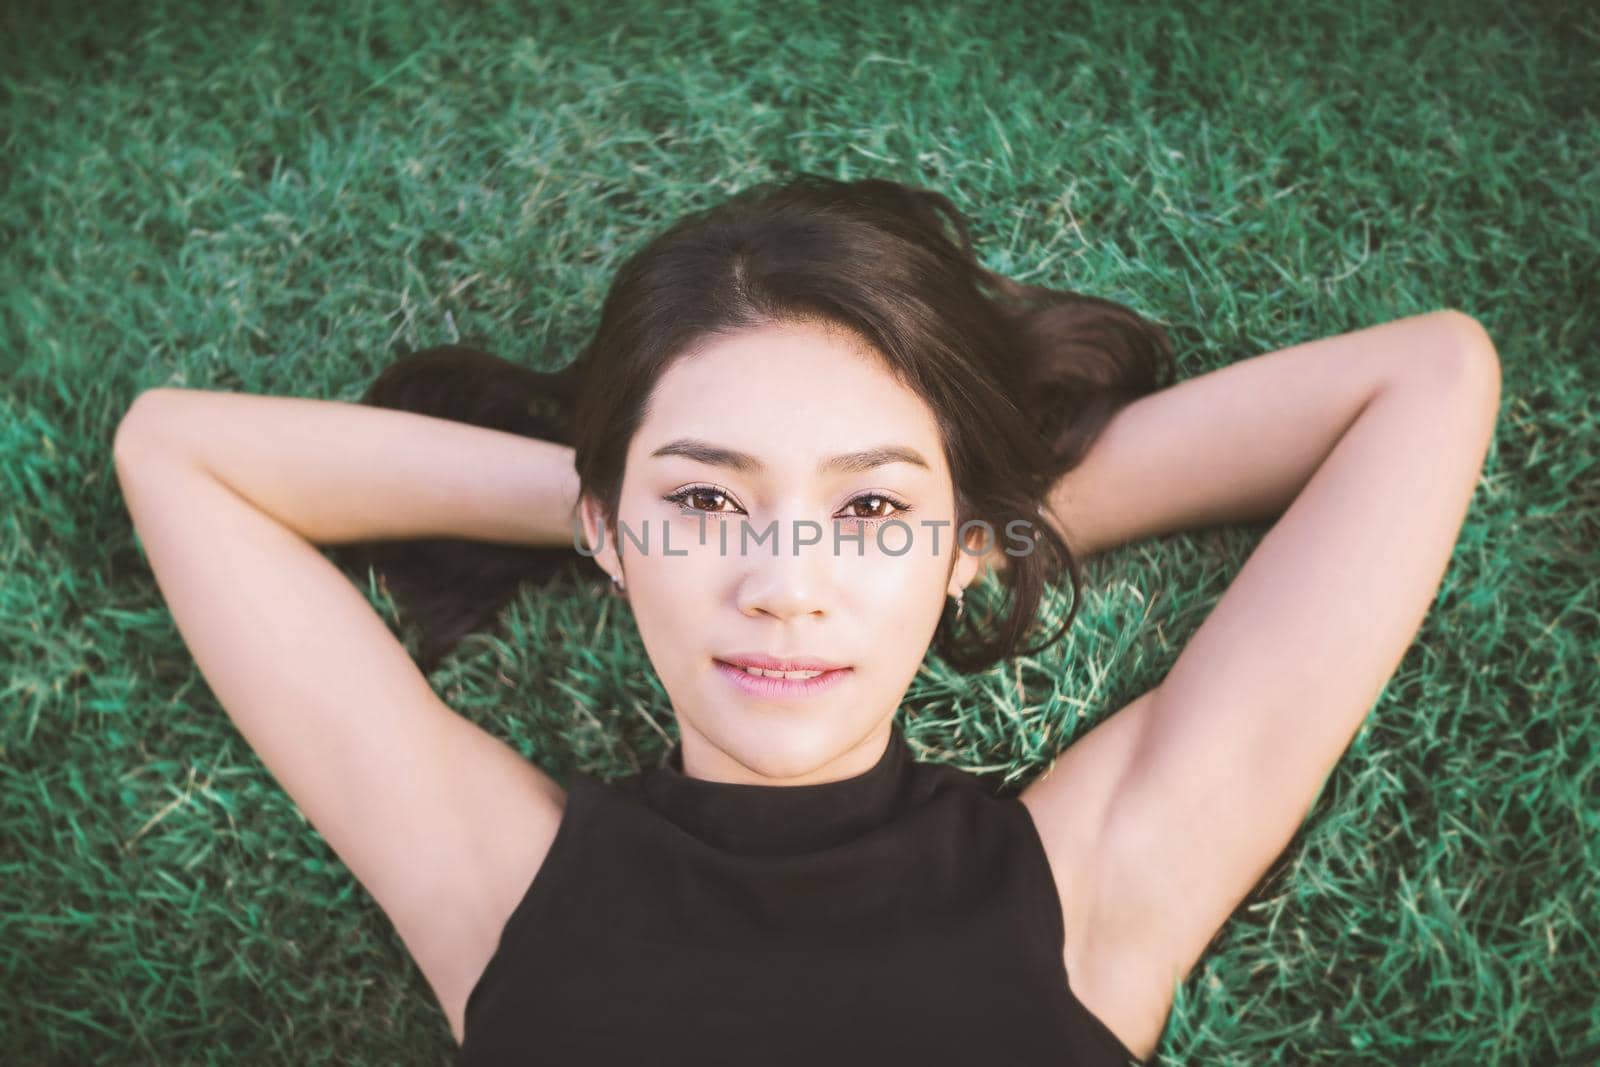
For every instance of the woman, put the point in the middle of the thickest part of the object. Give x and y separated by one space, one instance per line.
773 382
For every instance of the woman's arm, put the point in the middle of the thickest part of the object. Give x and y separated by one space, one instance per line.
336 472
1161 818
442 823
1220 448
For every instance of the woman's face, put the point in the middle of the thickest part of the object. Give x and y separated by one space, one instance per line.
745 428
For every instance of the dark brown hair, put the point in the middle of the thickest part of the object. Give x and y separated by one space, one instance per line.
1021 379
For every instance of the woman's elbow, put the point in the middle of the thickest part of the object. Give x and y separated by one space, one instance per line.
1466 367
132 434
1475 350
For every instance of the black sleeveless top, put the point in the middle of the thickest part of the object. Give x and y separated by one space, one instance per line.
905 915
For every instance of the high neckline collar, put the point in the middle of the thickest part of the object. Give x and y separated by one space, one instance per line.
781 819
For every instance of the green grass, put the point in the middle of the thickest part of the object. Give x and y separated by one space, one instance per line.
283 197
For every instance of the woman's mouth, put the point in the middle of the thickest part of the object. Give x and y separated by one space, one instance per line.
781 685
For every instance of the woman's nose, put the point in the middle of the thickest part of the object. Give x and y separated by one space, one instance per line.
789 575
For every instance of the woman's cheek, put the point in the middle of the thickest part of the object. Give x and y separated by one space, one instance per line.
887 584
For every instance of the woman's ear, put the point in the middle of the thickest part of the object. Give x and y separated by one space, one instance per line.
971 559
596 534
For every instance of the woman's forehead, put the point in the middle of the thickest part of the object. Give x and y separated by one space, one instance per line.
786 396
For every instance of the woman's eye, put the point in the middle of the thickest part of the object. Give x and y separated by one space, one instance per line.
876 501
687 498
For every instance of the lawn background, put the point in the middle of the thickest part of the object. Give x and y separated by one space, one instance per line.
282 198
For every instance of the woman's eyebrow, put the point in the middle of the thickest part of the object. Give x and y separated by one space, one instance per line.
744 463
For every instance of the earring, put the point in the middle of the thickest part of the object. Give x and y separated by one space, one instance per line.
959 605
616 583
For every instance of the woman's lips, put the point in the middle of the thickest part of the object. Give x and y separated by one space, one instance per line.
762 687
